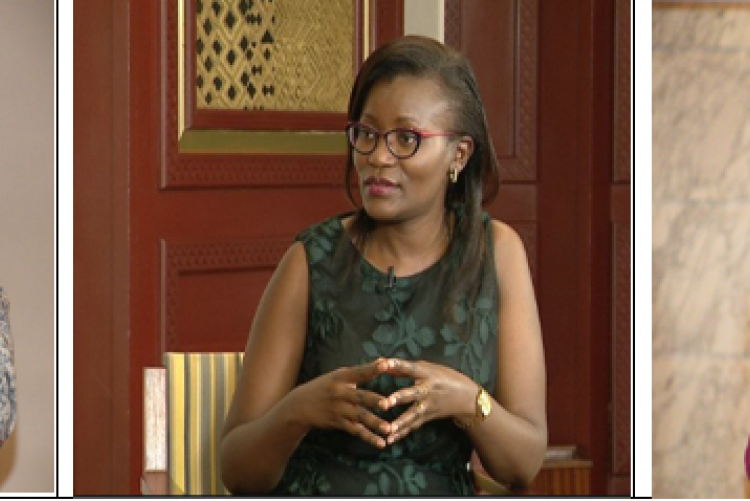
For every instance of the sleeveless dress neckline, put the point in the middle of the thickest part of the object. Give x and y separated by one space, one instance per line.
376 272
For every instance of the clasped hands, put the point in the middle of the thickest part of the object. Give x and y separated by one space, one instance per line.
335 400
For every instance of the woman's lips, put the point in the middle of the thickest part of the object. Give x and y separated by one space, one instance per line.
380 187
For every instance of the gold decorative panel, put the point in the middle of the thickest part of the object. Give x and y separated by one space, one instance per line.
279 55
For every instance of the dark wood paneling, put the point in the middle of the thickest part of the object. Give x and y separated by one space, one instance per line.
210 291
100 341
237 171
575 165
621 346
500 39
620 471
622 92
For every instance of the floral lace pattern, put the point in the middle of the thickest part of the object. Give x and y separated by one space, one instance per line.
7 373
356 317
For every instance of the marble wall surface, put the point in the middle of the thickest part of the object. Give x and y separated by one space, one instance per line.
701 250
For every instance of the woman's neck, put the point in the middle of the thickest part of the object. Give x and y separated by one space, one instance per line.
409 246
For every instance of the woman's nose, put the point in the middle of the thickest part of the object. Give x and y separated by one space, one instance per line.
381 156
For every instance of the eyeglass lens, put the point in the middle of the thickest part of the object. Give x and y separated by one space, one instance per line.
402 143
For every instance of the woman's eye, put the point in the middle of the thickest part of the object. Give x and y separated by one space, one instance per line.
365 134
406 137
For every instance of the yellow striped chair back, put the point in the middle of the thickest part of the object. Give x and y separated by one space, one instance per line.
199 390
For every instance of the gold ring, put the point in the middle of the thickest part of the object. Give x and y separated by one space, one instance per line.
421 407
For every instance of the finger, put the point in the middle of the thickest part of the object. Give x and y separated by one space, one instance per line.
415 393
375 425
360 414
399 367
409 421
369 399
363 373
360 430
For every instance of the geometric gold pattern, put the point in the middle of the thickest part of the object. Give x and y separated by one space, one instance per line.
284 55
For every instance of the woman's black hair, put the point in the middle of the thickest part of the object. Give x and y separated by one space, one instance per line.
479 181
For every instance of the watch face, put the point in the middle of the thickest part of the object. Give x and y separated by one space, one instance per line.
484 403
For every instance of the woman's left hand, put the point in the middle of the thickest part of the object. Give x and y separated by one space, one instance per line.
438 392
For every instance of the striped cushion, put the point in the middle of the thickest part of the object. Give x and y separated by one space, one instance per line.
199 388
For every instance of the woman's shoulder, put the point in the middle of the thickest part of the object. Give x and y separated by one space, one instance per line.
332 225
506 242
321 240
502 232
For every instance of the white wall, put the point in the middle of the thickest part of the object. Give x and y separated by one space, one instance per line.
27 235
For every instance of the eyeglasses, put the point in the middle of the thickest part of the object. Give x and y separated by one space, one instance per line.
402 143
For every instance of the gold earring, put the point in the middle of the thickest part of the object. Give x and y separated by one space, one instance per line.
453 173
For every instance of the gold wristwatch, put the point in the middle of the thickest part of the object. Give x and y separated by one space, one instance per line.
484 408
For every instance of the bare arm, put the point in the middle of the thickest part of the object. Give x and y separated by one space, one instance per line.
512 442
269 416
260 417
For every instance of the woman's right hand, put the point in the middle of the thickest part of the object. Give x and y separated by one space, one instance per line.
333 401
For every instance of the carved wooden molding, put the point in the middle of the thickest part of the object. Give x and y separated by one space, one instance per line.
621 346
181 258
522 166
453 23
622 92
621 343
204 170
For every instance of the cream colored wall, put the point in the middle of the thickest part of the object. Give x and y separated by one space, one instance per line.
424 17
27 235
701 250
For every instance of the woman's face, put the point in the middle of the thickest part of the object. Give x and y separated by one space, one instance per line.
395 189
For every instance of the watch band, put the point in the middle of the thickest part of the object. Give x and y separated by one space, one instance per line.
483 410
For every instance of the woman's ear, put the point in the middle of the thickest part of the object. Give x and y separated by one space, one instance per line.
464 150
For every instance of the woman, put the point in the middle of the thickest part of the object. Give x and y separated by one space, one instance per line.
392 341
7 373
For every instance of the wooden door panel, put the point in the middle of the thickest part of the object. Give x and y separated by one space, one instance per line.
500 39
210 291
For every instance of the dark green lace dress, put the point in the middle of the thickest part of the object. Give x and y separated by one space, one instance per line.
355 318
